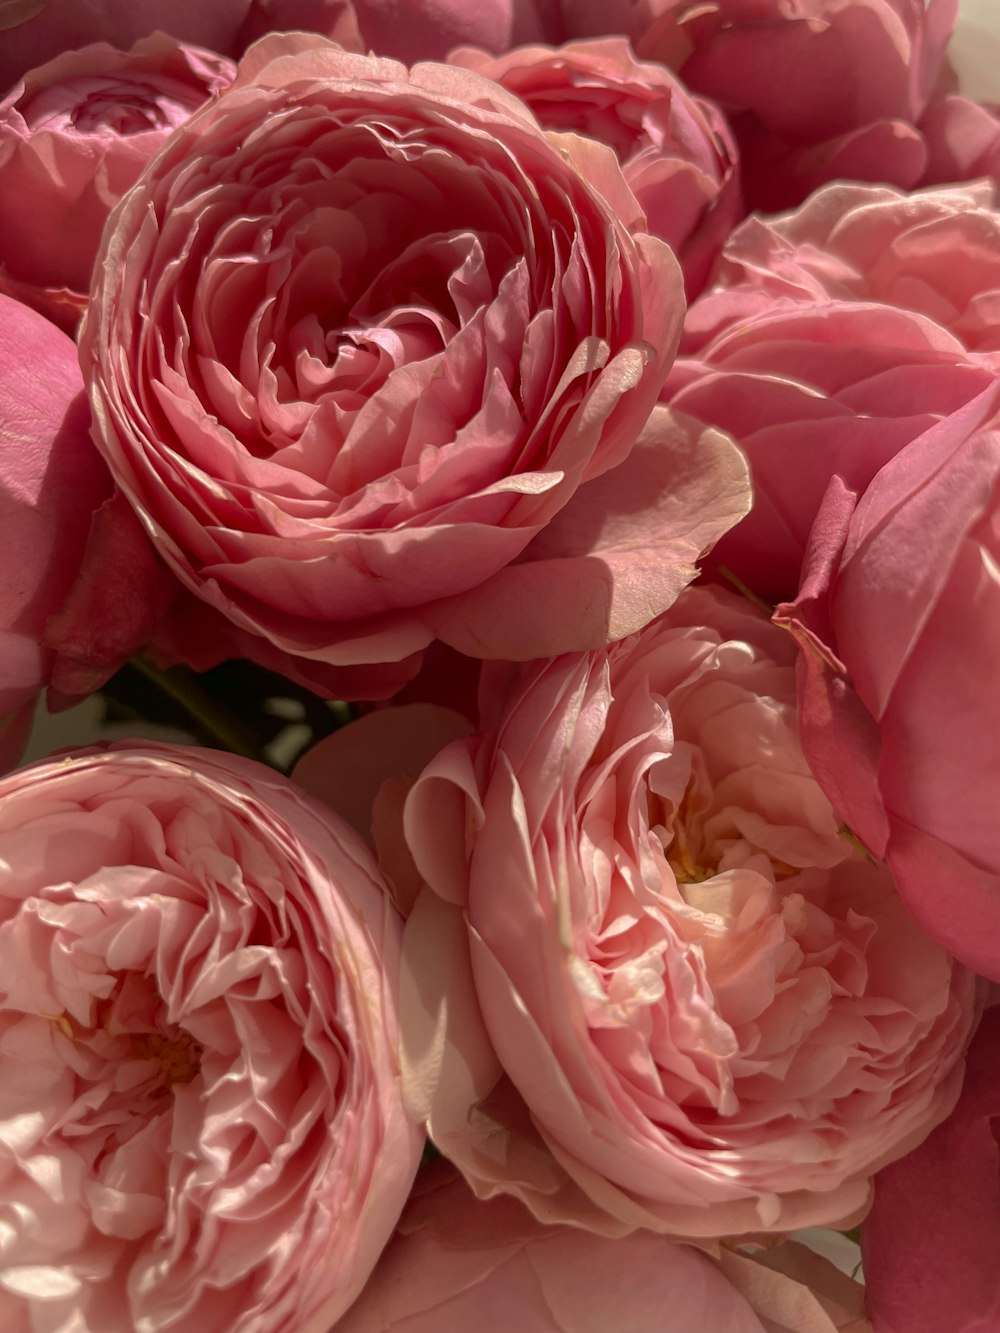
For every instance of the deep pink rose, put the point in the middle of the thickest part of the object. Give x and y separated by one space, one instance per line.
810 391
203 1122
456 1264
75 134
898 618
51 481
676 150
692 1005
816 90
360 334
936 252
932 1239
47 28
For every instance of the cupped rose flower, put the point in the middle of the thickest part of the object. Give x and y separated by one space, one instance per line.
898 618
457 1263
811 391
932 1238
359 335
816 90
51 481
676 150
39 30
203 1122
75 134
651 982
935 252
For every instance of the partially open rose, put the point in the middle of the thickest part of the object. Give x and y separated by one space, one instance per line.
199 1083
652 983
359 334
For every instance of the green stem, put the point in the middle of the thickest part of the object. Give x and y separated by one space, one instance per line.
211 717
748 593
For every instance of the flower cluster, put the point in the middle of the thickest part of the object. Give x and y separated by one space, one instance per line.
545 459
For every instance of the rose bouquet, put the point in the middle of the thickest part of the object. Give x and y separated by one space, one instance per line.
500 515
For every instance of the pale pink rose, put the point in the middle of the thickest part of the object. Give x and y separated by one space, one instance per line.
812 390
43 29
935 252
815 90
202 1116
651 983
457 1263
75 134
898 618
51 481
360 334
676 150
932 1239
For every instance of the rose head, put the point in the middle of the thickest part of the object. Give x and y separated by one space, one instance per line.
702 1010
75 134
676 150
203 1124
812 390
898 619
816 90
358 335
935 252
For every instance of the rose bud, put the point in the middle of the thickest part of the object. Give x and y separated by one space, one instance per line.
203 1119
361 334
75 135
676 151
898 619
651 982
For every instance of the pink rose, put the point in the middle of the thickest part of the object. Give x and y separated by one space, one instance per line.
694 1006
46 28
51 481
813 390
898 617
816 90
676 150
933 1236
935 252
75 134
360 334
203 1124
456 1264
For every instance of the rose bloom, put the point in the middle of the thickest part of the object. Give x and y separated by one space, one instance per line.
651 983
51 481
203 1124
676 150
75 134
932 1238
358 335
812 390
457 1263
898 617
935 252
816 90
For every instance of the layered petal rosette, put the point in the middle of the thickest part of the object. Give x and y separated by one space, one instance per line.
652 983
359 334
676 150
202 1119
75 134
935 252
